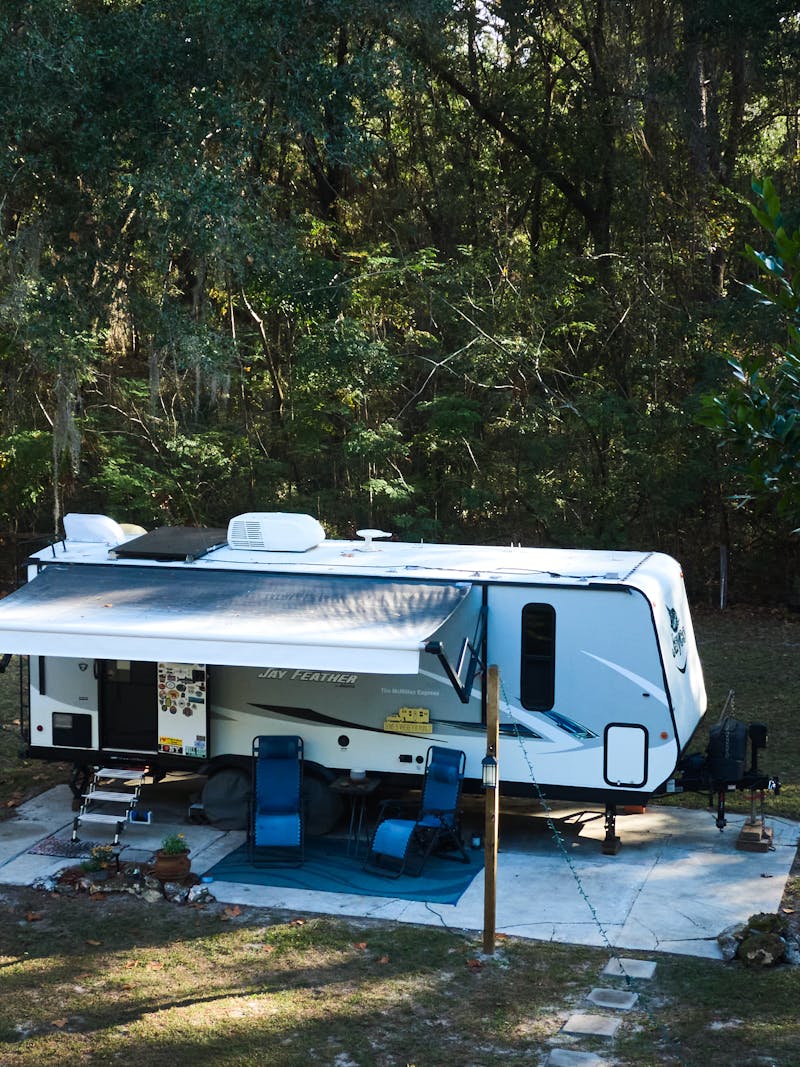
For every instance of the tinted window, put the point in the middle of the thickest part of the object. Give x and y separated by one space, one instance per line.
538 666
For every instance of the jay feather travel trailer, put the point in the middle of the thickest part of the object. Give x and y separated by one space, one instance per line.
177 647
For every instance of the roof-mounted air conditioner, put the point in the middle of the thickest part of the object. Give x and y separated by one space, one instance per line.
273 531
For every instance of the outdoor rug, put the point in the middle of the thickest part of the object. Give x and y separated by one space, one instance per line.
328 869
60 846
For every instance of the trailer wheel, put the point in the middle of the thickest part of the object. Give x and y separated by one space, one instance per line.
322 808
226 798
79 780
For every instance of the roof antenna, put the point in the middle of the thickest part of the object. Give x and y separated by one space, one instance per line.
369 536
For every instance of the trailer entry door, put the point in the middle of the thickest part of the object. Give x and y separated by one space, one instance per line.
128 705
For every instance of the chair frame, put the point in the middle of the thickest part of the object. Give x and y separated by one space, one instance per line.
431 829
275 855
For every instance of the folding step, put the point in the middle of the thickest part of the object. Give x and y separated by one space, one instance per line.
97 817
110 795
125 773
96 793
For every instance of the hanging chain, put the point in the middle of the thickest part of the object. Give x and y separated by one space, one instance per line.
557 835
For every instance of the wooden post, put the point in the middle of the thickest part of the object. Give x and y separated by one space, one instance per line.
492 820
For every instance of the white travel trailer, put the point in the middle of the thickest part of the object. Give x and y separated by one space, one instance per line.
177 647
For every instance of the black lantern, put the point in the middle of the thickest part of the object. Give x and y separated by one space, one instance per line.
489 771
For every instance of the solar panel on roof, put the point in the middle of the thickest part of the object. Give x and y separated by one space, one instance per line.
173 543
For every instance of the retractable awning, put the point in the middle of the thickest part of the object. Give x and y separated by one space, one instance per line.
307 622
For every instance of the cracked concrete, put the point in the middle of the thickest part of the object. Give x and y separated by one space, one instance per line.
676 883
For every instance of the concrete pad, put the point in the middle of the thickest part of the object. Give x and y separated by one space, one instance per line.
50 815
562 1057
674 886
619 999
592 1025
623 967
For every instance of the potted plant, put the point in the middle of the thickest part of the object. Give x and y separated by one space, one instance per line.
172 862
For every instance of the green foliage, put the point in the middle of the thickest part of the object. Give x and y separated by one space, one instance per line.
25 468
458 270
173 845
758 414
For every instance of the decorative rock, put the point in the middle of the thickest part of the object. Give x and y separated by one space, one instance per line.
200 894
791 953
762 950
730 939
47 885
760 942
175 892
767 922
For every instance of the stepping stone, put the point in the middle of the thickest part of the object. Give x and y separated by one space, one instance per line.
592 1025
620 967
561 1057
613 998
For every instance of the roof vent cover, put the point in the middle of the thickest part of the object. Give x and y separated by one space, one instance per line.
93 529
274 531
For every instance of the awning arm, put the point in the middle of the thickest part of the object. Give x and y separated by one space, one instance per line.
474 648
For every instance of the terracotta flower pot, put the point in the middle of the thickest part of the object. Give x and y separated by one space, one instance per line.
171 866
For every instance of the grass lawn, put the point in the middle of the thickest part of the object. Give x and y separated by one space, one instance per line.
757 655
92 981
112 979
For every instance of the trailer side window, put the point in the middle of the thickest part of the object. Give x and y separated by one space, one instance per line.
538 666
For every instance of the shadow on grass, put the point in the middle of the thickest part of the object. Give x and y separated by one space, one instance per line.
86 984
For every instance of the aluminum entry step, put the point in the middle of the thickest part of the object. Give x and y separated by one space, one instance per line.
129 797
124 773
105 794
92 816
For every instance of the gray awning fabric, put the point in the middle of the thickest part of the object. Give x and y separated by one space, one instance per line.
306 622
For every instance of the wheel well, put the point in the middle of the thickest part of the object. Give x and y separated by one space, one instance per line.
245 763
219 763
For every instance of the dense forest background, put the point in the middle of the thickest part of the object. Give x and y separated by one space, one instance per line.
461 270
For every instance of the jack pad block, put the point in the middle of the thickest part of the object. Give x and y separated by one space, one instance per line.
754 837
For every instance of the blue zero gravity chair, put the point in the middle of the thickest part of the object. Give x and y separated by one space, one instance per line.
403 845
276 825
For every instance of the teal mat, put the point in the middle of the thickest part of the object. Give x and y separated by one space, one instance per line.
328 869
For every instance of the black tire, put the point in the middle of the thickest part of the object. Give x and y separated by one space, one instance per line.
79 781
226 798
226 802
